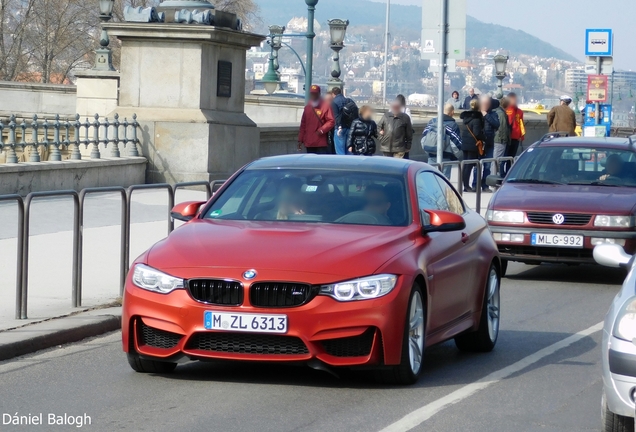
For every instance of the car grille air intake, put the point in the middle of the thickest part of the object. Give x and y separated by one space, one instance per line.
355 346
247 343
280 294
569 218
218 292
156 338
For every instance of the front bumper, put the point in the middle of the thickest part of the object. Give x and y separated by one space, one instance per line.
619 374
526 252
171 327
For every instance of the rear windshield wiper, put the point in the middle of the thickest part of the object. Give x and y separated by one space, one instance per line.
534 181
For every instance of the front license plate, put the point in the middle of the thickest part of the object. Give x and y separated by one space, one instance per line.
560 240
241 322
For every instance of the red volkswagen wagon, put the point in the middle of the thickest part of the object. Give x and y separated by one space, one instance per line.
563 197
332 261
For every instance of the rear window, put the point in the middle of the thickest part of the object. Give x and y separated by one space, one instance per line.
575 166
319 196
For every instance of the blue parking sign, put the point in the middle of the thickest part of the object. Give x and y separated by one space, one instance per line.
599 43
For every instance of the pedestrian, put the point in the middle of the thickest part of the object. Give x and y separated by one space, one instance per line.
454 100
502 137
517 128
473 139
406 110
363 133
396 132
345 111
561 118
491 125
452 140
471 97
315 124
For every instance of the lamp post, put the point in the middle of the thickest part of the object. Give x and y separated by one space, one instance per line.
337 32
104 56
311 10
501 61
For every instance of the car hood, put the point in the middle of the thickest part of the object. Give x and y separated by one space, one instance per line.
292 251
565 198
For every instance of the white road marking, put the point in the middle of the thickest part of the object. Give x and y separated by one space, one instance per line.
424 413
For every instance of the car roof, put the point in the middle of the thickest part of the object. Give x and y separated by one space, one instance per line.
373 164
610 143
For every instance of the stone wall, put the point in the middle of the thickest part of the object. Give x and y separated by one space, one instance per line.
42 99
27 177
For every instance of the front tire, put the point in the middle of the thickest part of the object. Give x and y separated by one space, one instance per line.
141 365
611 422
485 338
413 342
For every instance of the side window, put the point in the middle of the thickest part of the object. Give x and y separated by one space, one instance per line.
430 195
455 204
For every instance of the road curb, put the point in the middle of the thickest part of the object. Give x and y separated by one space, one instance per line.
58 331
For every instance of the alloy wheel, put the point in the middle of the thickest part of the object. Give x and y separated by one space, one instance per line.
416 332
492 303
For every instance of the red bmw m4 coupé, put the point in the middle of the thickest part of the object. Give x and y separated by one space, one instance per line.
334 261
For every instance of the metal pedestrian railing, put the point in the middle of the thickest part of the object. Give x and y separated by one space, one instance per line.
33 134
24 206
478 165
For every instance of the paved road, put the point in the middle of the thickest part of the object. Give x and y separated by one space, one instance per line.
557 390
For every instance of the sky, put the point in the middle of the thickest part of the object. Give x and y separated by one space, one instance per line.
562 22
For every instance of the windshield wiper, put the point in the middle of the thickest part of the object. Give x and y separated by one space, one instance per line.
534 181
593 183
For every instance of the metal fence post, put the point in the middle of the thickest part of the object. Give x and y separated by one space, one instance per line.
20 244
80 244
95 154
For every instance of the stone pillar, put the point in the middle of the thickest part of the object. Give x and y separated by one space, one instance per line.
97 92
186 84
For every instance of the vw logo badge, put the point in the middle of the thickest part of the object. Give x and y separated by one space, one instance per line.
558 219
249 275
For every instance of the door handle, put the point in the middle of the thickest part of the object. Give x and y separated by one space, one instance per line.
465 238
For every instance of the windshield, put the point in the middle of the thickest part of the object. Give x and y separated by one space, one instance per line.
575 166
327 196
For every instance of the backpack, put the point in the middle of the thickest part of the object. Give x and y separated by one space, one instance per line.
348 113
429 142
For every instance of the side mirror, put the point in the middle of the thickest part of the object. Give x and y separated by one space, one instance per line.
441 221
186 211
611 255
494 181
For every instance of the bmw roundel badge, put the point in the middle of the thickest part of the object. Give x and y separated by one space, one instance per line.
249 274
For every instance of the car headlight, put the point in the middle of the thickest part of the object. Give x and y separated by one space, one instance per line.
361 289
614 221
625 326
505 216
153 280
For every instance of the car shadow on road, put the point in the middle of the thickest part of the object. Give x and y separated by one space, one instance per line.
585 274
444 365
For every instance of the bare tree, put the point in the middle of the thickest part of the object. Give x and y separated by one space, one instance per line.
247 10
14 53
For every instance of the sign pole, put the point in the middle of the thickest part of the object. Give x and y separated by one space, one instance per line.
443 28
598 105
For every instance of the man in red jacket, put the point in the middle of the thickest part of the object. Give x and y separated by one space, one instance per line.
517 129
316 123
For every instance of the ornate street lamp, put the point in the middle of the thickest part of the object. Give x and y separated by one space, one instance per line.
276 42
104 56
337 31
501 61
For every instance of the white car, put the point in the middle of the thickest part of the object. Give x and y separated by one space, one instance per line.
619 345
